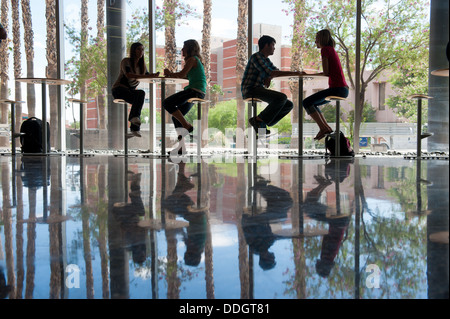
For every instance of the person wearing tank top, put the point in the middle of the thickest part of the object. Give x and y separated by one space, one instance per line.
337 86
131 69
177 104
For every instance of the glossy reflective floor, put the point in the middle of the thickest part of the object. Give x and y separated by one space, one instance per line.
143 228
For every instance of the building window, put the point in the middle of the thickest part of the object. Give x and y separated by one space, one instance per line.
382 96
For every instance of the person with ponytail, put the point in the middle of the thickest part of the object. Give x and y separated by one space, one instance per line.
331 67
131 69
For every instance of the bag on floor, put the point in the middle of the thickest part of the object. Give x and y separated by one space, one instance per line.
344 144
31 139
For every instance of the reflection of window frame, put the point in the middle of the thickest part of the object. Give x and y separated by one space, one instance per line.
382 96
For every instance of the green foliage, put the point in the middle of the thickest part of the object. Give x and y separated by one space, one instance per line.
223 115
88 66
393 34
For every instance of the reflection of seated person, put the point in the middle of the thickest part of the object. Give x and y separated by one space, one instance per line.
336 226
129 215
4 288
257 231
181 204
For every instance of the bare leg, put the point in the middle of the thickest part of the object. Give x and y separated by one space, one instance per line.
324 128
179 116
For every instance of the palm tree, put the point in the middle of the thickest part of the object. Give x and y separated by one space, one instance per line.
298 30
17 60
4 67
241 62
28 39
170 47
84 39
51 53
206 52
101 38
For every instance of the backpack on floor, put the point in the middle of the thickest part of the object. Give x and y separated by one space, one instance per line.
31 140
344 144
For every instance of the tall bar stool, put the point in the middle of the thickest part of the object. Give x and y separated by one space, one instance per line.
125 124
252 112
199 119
420 136
82 103
337 130
14 135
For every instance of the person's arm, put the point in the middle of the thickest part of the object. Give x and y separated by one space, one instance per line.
126 68
190 64
277 73
325 65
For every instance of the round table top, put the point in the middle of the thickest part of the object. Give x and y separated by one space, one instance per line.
297 77
440 72
419 96
49 81
161 79
77 100
11 101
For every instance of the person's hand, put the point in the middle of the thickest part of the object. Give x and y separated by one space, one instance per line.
267 82
167 73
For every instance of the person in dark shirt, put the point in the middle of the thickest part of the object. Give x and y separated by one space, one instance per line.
131 69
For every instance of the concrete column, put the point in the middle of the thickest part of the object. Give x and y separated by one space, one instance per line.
116 50
438 86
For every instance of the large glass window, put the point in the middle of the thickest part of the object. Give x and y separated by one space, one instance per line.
389 59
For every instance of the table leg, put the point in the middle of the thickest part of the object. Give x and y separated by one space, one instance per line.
419 128
337 141
81 128
163 119
44 118
300 116
13 128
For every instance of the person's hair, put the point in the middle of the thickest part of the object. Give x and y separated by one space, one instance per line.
141 61
192 49
265 39
325 39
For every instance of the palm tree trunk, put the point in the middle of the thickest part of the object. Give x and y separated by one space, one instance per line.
296 62
17 60
51 54
241 62
4 67
29 52
206 51
84 42
170 49
100 37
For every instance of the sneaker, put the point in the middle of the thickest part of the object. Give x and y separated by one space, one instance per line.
134 134
136 121
257 125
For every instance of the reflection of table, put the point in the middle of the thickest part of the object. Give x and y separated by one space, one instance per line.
163 81
301 112
440 72
44 82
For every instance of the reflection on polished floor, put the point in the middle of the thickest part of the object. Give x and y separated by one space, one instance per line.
140 228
